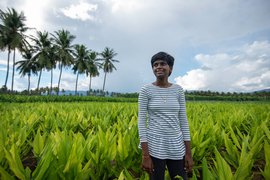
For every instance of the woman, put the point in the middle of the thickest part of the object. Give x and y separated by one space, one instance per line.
162 123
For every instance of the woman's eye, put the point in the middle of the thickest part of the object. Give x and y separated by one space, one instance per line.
161 64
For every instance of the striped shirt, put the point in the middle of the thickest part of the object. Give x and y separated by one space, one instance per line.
162 121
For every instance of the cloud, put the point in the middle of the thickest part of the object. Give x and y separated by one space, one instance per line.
209 33
35 12
3 62
3 69
120 6
244 69
188 21
81 11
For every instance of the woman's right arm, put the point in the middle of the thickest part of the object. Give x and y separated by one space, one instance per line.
142 108
147 164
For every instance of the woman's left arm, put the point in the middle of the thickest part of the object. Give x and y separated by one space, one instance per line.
186 133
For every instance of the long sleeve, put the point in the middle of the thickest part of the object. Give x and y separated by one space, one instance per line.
142 114
183 117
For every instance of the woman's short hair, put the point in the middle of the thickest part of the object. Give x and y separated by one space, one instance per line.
163 56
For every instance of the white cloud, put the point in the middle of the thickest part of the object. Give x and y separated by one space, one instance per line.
120 6
81 11
3 62
3 69
248 70
188 21
35 12
136 29
194 79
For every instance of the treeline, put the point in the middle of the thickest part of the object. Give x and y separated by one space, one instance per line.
104 96
53 91
214 96
227 96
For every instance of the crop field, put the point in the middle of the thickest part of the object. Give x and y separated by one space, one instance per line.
99 140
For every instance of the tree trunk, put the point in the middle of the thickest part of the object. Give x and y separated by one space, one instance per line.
51 81
76 83
7 67
104 82
61 67
90 83
28 83
13 70
39 79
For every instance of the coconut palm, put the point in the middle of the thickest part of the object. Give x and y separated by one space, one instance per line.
92 66
108 59
12 35
52 65
64 50
4 44
44 54
80 62
27 66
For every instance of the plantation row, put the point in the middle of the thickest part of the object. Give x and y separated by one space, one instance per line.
94 140
38 98
121 98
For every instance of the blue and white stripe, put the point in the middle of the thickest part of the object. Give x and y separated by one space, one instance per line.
162 121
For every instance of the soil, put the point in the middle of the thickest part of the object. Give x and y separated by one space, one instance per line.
30 161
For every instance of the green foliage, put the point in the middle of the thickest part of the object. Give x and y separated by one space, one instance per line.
227 96
266 172
96 140
36 98
236 130
15 163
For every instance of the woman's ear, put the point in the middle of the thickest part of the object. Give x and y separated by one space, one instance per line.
171 68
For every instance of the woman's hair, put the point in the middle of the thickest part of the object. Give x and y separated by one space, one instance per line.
163 56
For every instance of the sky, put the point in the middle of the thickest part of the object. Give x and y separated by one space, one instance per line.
217 45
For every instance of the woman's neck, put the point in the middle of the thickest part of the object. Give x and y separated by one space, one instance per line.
162 83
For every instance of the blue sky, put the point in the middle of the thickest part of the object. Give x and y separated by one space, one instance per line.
217 45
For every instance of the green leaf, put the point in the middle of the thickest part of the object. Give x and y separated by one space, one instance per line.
121 176
15 163
234 138
266 172
5 175
44 163
266 130
223 169
38 143
206 173
123 153
232 154
245 162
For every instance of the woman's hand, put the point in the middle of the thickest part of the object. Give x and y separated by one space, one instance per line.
188 157
188 162
147 164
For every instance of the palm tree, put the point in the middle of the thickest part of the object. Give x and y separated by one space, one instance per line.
12 35
4 44
80 62
44 54
52 65
92 67
27 66
108 59
63 40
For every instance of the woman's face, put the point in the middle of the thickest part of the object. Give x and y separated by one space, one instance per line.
161 69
